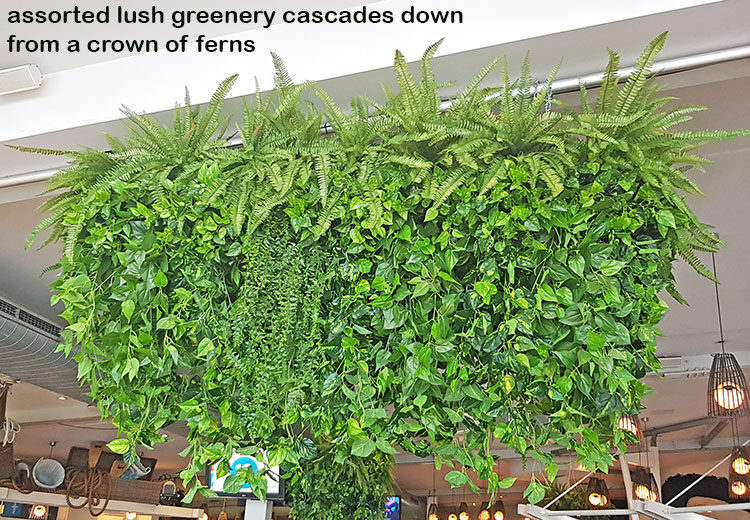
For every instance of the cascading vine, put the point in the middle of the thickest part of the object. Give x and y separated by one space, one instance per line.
441 283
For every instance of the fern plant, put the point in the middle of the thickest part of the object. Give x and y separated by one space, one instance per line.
630 131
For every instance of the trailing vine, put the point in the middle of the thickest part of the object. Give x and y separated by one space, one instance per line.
433 282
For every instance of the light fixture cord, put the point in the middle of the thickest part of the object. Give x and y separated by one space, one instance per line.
434 489
718 303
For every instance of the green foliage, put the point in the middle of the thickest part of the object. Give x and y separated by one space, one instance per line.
436 282
328 486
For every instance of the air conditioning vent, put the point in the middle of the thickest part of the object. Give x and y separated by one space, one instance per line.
26 317
38 323
29 351
8 308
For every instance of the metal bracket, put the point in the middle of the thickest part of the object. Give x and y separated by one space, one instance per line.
651 510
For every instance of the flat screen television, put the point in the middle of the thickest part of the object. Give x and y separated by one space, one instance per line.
393 508
275 489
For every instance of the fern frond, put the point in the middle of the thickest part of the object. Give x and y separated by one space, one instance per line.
282 79
605 102
637 80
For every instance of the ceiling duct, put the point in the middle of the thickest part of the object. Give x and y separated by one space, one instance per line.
28 350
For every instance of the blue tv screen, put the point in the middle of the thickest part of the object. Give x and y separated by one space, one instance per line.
393 508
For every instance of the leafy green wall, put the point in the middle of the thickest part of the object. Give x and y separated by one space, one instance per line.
429 282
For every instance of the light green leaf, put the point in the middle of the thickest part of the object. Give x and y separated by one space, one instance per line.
160 280
119 446
128 306
611 267
577 264
363 447
666 218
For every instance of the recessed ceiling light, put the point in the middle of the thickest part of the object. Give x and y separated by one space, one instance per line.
61 398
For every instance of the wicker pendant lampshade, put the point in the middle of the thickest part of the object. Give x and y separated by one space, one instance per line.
727 387
644 484
631 423
499 511
484 512
463 512
739 473
597 494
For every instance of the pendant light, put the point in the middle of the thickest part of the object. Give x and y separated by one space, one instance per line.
597 494
463 509
463 512
739 467
727 387
38 512
432 513
631 423
499 513
484 512
644 484
452 515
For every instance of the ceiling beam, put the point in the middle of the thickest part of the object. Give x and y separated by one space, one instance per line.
710 436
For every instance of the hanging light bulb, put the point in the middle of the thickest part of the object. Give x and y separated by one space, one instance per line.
463 512
597 493
484 512
452 516
432 512
727 386
727 395
131 515
38 512
739 489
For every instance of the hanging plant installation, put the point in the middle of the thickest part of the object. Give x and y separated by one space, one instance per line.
326 299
